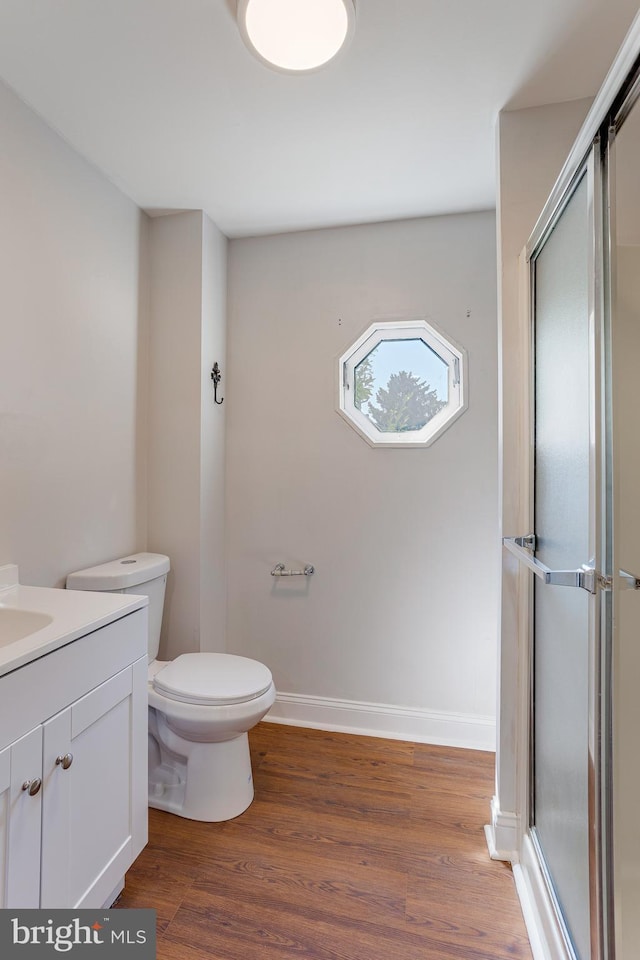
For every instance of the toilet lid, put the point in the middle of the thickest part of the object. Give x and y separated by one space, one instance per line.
212 678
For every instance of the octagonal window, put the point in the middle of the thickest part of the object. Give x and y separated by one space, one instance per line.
401 383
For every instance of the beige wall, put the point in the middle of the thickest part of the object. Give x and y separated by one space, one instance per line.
402 607
186 429
73 331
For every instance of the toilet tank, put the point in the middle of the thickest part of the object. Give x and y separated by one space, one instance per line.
144 574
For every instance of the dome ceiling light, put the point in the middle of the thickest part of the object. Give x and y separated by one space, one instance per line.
296 36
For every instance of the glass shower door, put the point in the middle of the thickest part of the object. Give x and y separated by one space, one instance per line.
564 541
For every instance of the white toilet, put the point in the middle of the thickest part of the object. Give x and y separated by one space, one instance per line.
201 705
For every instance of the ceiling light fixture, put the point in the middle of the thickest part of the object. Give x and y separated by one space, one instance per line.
296 36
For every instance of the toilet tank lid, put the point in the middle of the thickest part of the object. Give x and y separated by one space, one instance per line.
120 574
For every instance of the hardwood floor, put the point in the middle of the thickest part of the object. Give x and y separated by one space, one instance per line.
354 848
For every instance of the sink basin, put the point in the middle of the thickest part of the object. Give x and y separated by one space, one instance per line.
34 621
16 624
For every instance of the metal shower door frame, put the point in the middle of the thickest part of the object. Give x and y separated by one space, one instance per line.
594 576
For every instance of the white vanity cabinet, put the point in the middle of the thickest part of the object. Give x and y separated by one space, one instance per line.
73 769
20 818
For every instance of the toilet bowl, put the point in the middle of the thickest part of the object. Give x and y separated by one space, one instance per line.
201 706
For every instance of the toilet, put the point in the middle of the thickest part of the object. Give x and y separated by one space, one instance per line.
201 705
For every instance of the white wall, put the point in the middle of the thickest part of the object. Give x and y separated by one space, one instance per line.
213 567
626 655
186 429
402 608
72 357
109 329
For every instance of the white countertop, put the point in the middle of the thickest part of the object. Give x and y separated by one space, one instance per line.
73 614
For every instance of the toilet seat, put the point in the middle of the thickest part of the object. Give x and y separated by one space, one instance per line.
212 679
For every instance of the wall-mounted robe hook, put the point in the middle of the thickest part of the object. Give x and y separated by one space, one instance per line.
216 376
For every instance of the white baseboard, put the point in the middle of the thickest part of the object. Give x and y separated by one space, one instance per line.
538 946
385 720
543 929
503 834
545 935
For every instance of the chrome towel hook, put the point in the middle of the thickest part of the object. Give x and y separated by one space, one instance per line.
216 376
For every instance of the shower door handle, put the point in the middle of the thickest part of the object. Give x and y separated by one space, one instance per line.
629 580
585 578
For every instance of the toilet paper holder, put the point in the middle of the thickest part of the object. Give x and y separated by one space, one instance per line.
281 571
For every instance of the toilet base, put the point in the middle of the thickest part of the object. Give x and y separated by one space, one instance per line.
212 783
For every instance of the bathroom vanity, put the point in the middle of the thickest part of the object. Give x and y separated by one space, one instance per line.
73 743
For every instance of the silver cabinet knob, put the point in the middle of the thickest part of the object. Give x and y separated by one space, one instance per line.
33 786
65 761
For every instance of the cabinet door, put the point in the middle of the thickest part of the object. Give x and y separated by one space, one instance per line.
20 813
92 770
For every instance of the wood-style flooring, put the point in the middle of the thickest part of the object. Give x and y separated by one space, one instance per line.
354 848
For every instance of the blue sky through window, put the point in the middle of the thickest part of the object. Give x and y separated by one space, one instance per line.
414 356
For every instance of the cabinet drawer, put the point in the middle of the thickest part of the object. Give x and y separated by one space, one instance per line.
36 691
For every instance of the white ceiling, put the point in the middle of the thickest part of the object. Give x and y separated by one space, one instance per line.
164 98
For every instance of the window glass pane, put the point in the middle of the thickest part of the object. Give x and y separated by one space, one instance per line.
401 385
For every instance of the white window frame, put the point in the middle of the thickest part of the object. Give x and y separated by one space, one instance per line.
450 352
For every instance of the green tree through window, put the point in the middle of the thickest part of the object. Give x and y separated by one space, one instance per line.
408 403
364 381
